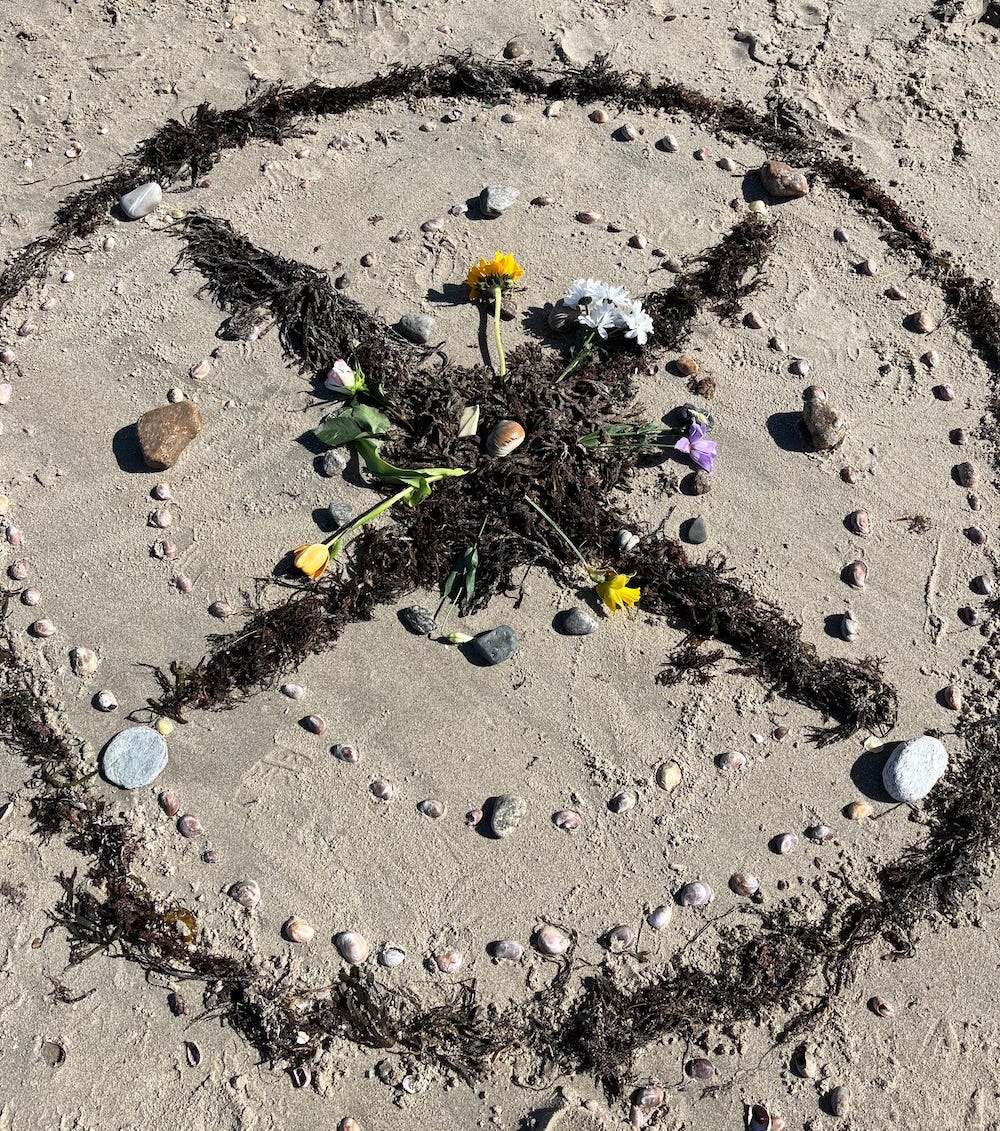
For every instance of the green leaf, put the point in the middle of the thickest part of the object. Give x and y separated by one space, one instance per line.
355 421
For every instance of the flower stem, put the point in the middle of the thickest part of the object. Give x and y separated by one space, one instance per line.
368 515
563 535
502 360
577 359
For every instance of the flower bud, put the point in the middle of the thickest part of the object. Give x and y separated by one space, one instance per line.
341 378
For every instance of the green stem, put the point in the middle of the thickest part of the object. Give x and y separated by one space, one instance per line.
564 536
502 367
368 515
578 357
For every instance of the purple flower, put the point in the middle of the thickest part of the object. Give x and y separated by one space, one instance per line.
694 444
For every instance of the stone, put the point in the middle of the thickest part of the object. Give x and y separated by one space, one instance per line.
418 620
417 326
577 622
142 200
166 431
824 424
780 179
340 513
697 532
134 757
496 199
496 645
333 463
914 768
507 813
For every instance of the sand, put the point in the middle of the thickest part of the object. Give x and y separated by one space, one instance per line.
567 722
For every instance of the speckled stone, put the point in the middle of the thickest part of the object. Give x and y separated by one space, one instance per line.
134 758
496 199
577 622
507 813
914 768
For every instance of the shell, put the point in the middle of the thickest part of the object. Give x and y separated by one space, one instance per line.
189 826
858 810
42 628
449 961
166 550
183 584
670 143
868 267
220 609
923 322
621 939
569 820
779 734
31 596
856 575
821 834
660 917
669 775
346 753
19 570
849 475
599 116
895 293
292 690
468 423
880 1006
391 956
648 1096
622 801
972 617
298 930
700 1068
432 808
849 626
246 893
695 894
14 536
349 1124
958 437
785 843
944 392
731 760
192 1054
473 817
702 154
840 1100
352 947
951 697
976 535
26 329
627 132
549 939
6 392
803 1064
588 217
169 802
161 518
759 1119
982 585
210 856
932 359
106 701
543 200
382 790
627 540
201 370
315 724
505 437
176 1004
744 883
7 356
83 661
506 950
859 522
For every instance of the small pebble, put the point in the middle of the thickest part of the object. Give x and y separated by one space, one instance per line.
923 322
67 276
599 116
83 661
432 808
370 259
543 200
189 826
333 463
495 200
686 365
505 950
497 645
697 531
621 939
976 535
175 395
868 267
162 492
881 1007
551 940
958 436
897 294
781 180
246 893
391 957
670 144
702 154
627 132
840 1100
668 776
753 321
510 117
449 961
944 392
968 475
785 843
7 356
800 367
623 801
340 513
554 109
42 628
700 1069
951 697
26 329
588 217
577 622
200 371
352 947
821 834
731 760
638 241
417 326
161 518
932 359
757 206
744 883
382 790
141 201
727 164
6 392
508 811
183 584
418 620
106 701
841 235
982 585
220 609
432 226
315 724
298 930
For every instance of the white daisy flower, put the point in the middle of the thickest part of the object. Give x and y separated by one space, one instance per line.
602 317
582 290
619 296
639 324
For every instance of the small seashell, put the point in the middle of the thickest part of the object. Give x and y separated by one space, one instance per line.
183 584
301 1075
201 370
298 930
169 802
164 727
622 801
700 1069
31 596
166 550
785 843
779 734
551 940
176 1004
554 109
627 541
162 492
568 820
648 1097
859 522
220 609
175 394
189 826
821 834
6 392
673 264
14 536
944 392
391 956
897 294
627 132
543 200
923 322
621 939
968 475
868 267
161 518
435 224
349 1124
109 243
106 701
800 367
449 961
505 437
840 1100
849 475
982 585
67 276
456 209
951 697
83 661
292 690
42 628
315 724
695 894
958 436
382 790
702 154
473 817
803 1064
588 217
759 1119
432 808
856 575
346 753
506 950
753 321
660 917
370 259
858 810
599 116
26 329
758 206
880 1006
246 893
352 947
731 760
976 535
841 235
668 776
744 883
670 144
7 356
468 424
932 359
849 626
727 164
192 1053
972 617
686 365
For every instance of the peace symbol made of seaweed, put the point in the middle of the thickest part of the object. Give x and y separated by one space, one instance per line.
774 955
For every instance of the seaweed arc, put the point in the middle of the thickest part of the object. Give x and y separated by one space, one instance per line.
606 1026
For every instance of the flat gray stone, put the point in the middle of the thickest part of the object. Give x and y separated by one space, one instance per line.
697 532
340 513
496 645
577 622
496 199
142 200
333 463
418 620
507 813
135 757
417 326
914 768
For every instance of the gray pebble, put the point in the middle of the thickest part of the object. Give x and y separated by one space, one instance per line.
418 620
496 199
417 326
914 768
340 513
135 757
507 813
332 463
577 622
697 532
342 282
496 645
142 200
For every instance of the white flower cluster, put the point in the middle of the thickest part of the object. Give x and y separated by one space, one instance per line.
605 308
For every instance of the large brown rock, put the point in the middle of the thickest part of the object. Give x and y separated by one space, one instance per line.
780 179
166 431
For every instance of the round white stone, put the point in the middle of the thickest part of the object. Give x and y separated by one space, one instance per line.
135 757
142 200
914 768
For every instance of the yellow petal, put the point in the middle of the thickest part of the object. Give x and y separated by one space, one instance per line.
312 559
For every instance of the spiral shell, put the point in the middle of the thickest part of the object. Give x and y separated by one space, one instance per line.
352 947
505 437
298 930
246 893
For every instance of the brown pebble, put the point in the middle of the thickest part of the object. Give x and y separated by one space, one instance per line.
176 1004
897 294
968 475
840 1100
976 535
781 180
627 132
958 436
923 322
165 432
543 200
868 267
599 116
951 697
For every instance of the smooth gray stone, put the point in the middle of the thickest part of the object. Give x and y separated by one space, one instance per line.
577 622
417 326
697 532
507 813
914 768
135 757
333 463
340 513
496 199
496 645
418 620
142 200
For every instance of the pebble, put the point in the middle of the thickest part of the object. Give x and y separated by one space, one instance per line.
841 235
744 883
169 802
551 940
418 620
370 259
543 200
660 917
174 395
697 532
620 939
382 790
246 893
897 294
849 626
668 776
83 661
134 757
106 701
587 217
417 326
599 116
298 930
753 321
434 225
982 585
554 109
449 961
702 154
951 697
31 596
944 392
7 356
200 371
19 570
800 367
670 144
823 422
923 322
577 622
508 810
41 628
623 801
510 117
840 1100
727 164
757 206
968 475
700 1069
569 820
345 752
976 535
161 518
638 241
184 584
315 724
868 267
67 276
340 513
627 132
332 463
432 808
914 768
780 179
702 483
352 947
686 365
731 760
6 392
785 843
220 609
141 200
496 645
932 359
494 200
166 431
162 492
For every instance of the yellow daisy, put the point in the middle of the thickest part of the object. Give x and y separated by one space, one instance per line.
614 591
483 278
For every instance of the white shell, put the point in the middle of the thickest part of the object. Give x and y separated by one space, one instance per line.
660 917
505 437
391 957
141 200
695 894
552 940
83 661
353 947
468 424
449 961
106 701
627 540
246 893
6 392
201 370
298 930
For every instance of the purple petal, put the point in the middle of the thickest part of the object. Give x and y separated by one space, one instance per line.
696 432
704 460
683 444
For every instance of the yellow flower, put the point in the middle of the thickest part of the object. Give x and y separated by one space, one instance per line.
502 271
614 591
312 559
